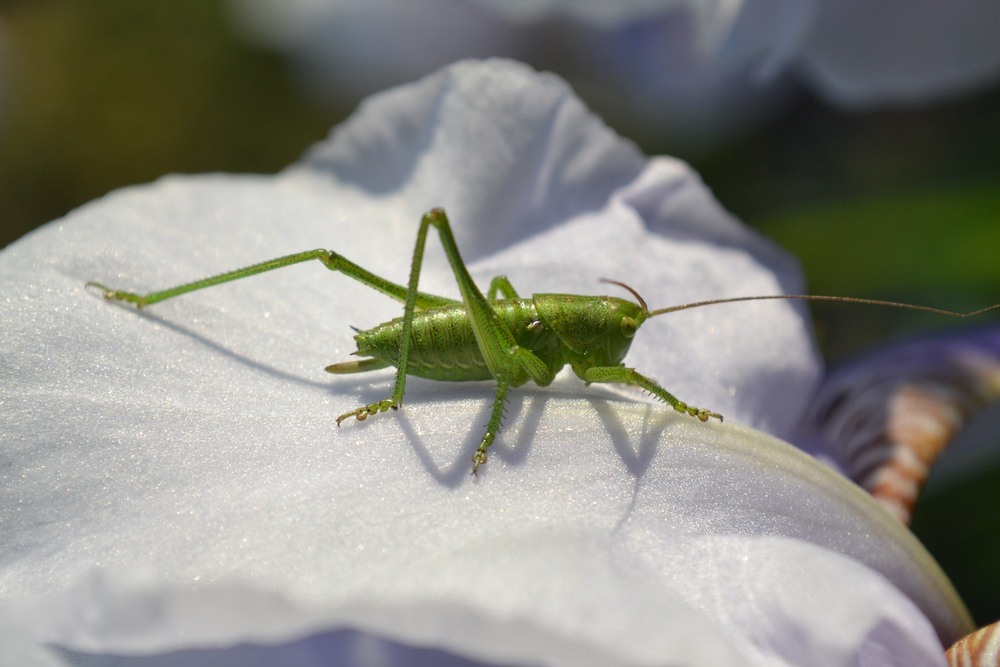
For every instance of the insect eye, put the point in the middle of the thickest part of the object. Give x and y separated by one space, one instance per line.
628 327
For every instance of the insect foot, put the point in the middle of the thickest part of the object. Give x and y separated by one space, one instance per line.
117 294
479 458
365 411
701 413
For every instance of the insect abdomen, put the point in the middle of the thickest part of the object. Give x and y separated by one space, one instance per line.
443 346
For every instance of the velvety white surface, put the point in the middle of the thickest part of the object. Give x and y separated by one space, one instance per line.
173 482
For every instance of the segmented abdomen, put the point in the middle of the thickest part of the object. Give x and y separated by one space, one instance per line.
443 346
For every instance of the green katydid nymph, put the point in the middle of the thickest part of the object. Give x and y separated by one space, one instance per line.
500 336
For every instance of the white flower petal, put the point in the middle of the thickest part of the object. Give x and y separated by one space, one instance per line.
862 53
173 479
386 42
698 69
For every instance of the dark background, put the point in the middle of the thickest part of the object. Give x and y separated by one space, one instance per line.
897 204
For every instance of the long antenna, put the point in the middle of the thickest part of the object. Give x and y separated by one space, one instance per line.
811 297
642 302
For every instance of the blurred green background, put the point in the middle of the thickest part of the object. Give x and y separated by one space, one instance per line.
897 204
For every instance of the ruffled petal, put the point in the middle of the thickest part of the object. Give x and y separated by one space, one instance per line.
174 483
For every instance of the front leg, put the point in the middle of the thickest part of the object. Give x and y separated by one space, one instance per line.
621 374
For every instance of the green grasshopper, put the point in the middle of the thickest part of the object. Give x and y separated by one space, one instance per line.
510 340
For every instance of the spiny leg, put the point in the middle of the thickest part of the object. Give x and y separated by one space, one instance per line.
523 361
479 458
330 260
494 338
509 363
621 374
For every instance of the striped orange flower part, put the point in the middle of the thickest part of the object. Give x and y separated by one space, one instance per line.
979 649
891 414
